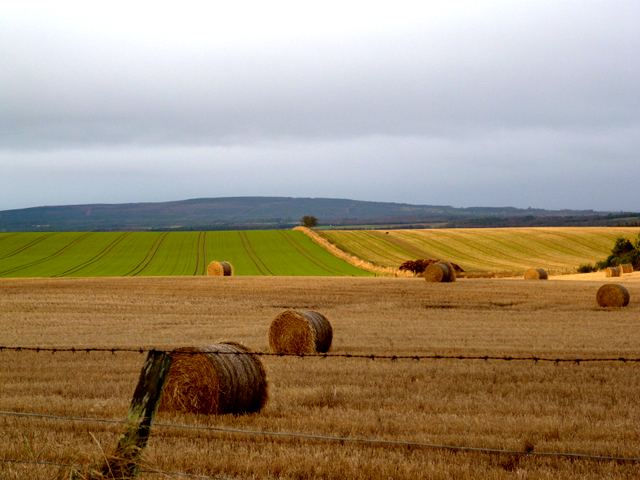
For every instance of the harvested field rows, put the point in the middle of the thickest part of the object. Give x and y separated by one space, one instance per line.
586 408
556 249
165 254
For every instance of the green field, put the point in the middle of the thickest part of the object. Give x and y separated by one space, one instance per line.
292 253
556 249
119 254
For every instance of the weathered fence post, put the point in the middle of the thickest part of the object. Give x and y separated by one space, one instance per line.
125 462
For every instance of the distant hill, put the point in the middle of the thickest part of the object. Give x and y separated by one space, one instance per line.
240 213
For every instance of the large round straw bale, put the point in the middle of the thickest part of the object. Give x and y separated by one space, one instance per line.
535 274
440 272
215 379
626 268
300 332
612 272
612 295
220 269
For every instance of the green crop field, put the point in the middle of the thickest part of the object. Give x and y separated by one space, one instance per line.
291 253
115 254
556 249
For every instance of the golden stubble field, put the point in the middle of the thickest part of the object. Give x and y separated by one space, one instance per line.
587 408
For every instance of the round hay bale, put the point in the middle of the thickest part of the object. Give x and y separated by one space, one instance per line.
452 270
440 272
220 269
612 272
612 295
626 268
300 332
215 379
535 274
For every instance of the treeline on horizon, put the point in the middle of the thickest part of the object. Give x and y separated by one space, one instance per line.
280 213
609 220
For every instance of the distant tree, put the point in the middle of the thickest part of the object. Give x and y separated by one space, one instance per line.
622 247
623 251
309 221
586 268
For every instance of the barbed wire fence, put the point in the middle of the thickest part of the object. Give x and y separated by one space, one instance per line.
322 356
366 356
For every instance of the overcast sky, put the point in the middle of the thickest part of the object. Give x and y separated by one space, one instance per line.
463 103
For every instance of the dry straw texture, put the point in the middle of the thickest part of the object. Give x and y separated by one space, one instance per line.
535 274
215 379
612 295
220 269
612 272
626 268
300 332
440 272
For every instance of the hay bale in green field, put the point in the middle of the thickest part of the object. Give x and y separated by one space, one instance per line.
220 269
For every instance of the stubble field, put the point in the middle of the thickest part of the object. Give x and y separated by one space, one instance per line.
588 408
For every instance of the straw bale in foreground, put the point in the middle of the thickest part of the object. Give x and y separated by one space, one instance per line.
612 295
440 272
612 272
300 332
220 269
536 274
215 379
626 268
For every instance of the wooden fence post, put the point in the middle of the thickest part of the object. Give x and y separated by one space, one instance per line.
125 462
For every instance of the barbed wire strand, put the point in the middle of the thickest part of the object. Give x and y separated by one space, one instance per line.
84 468
434 356
340 439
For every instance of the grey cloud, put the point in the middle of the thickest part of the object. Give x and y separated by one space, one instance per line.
517 103
524 168
561 68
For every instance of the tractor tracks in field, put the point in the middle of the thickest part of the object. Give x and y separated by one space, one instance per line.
309 256
97 257
201 255
150 256
9 235
28 245
253 255
46 259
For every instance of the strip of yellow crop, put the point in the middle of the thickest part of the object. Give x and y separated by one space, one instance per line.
556 249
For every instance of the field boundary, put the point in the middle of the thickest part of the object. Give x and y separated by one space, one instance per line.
331 438
349 258
342 440
323 356
309 256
